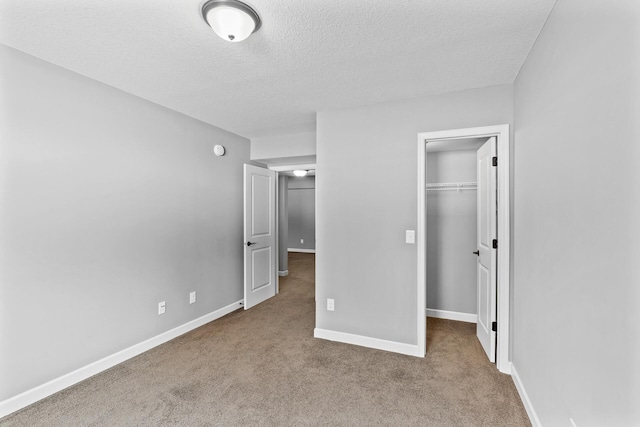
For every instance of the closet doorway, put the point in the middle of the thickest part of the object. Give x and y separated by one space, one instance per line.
460 229
463 214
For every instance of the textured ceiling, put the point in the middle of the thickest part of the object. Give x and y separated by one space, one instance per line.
309 55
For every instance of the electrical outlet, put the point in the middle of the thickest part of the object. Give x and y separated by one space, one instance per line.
302 241
161 307
330 304
192 297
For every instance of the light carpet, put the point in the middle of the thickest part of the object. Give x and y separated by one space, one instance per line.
262 367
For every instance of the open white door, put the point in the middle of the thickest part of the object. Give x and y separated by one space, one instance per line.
259 235
487 244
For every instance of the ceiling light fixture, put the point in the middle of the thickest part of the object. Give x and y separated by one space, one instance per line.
232 20
300 172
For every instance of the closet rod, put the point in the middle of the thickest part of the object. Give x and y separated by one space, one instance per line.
448 186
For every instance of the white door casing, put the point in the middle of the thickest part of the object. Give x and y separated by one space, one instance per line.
502 133
260 278
487 256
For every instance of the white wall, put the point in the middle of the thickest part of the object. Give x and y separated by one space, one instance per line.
576 342
108 205
452 233
362 260
279 146
302 212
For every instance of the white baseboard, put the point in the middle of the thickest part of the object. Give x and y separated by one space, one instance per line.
283 273
29 397
305 251
528 406
452 315
343 337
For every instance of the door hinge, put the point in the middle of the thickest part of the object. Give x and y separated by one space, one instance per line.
495 243
495 161
494 326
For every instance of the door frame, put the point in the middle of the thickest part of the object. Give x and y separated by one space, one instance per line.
501 132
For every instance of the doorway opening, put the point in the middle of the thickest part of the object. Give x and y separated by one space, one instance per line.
296 207
476 288
301 213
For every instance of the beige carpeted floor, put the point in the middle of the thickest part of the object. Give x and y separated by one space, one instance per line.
263 367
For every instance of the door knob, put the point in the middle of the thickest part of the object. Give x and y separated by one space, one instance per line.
477 252
251 243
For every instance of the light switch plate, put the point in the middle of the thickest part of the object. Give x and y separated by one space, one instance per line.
410 236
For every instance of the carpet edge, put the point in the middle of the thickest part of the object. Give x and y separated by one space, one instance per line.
363 341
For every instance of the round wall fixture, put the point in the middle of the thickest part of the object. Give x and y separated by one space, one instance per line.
232 20
218 150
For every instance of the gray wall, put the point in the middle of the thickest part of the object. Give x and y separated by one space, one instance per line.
302 212
451 233
577 211
109 204
282 146
362 259
283 223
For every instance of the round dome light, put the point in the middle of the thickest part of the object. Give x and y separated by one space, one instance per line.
231 20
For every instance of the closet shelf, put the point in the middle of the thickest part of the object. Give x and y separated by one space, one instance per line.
450 186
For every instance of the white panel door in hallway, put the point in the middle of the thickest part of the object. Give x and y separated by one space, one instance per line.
259 235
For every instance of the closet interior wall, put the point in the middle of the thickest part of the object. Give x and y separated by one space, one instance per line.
451 232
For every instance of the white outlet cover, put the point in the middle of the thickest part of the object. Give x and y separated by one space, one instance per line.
161 307
330 304
192 297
